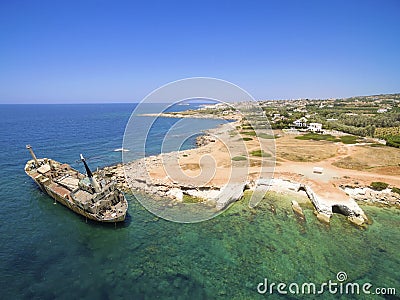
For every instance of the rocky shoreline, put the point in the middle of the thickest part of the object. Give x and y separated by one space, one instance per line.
192 115
148 175
358 193
214 196
368 195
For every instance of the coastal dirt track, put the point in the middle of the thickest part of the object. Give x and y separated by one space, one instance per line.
342 165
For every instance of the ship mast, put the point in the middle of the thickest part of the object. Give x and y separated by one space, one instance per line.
89 173
33 155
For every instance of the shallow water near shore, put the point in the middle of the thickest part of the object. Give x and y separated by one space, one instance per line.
225 257
49 252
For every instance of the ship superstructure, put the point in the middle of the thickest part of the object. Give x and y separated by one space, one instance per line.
93 196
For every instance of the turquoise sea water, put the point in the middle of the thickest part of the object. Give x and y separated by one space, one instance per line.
48 252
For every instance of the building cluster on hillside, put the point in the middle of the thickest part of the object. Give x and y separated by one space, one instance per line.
380 101
315 115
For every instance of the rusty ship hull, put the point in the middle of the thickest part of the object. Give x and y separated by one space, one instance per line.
57 194
102 201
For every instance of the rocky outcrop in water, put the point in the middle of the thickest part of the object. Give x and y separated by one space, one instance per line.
297 209
220 197
138 179
325 209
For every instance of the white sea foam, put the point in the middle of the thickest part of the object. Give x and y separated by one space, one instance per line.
121 150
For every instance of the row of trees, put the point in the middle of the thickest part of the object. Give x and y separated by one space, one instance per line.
382 132
393 140
381 120
360 131
386 125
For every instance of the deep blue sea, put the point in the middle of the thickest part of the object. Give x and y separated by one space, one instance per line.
49 252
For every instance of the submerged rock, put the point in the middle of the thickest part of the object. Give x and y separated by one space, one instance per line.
297 209
323 217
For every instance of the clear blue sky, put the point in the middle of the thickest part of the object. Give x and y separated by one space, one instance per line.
119 51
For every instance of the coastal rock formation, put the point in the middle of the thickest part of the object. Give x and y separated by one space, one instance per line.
229 194
175 193
138 179
203 140
221 197
367 194
297 209
325 209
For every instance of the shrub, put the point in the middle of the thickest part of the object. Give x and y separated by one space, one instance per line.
191 199
260 153
349 139
266 136
396 190
239 158
261 135
378 186
317 137
393 141
247 139
251 133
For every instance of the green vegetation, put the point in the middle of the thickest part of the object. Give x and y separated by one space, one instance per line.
396 190
260 153
346 139
390 134
251 133
364 116
317 137
349 139
247 139
261 135
239 158
363 119
247 127
388 131
267 136
191 199
393 141
378 185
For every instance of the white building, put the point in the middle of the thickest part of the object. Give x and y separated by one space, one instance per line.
381 110
302 122
315 127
